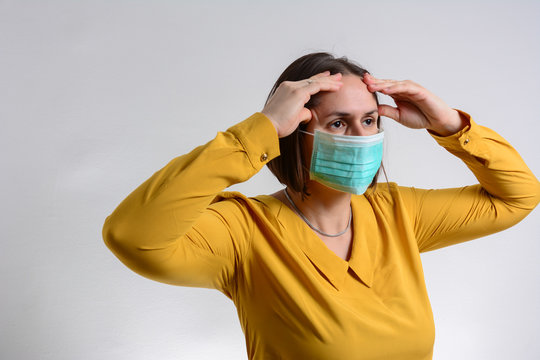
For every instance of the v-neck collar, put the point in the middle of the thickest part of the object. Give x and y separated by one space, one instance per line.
334 268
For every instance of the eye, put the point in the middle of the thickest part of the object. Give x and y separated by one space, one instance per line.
337 124
369 122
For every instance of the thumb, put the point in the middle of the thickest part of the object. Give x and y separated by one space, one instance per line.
389 111
305 116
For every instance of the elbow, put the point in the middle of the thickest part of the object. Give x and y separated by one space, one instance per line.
108 234
534 198
528 198
523 205
124 240
113 238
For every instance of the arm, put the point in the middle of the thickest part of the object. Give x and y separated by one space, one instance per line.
174 229
507 192
169 230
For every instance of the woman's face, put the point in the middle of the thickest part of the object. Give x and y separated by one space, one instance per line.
352 110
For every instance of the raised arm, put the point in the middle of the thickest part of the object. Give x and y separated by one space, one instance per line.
173 228
507 192
167 229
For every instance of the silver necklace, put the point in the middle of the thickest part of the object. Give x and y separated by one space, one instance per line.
313 227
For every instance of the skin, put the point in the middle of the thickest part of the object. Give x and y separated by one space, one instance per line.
351 97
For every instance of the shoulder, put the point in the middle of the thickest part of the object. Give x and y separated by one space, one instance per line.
234 201
384 191
388 194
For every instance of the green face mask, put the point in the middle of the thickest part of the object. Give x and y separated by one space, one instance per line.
345 163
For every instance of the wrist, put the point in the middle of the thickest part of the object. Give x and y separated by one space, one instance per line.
455 123
269 117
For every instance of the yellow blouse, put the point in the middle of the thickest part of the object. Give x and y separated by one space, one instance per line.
296 299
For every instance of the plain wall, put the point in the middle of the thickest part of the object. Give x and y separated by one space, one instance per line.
95 96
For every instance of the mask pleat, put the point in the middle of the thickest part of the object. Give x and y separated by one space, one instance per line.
346 163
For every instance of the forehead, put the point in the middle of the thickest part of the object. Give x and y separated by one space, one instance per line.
353 97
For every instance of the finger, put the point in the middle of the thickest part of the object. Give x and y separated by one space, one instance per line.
327 83
401 90
370 79
319 75
325 74
381 84
319 78
389 111
318 86
305 115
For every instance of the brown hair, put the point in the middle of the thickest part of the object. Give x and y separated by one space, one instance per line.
289 168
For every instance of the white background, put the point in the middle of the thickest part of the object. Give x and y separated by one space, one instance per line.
95 96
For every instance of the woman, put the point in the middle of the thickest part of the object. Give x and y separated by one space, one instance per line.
329 267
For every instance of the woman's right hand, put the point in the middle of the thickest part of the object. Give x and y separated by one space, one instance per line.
285 108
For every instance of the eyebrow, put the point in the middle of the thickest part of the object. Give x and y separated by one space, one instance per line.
346 114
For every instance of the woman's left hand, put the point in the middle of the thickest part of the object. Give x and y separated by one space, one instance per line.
416 107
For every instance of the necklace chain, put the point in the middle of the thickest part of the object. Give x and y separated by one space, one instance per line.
311 225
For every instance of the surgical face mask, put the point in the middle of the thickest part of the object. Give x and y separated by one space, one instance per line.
345 163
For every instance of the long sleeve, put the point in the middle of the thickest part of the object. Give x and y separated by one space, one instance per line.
506 193
172 229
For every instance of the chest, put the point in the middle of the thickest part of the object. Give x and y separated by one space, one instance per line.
323 298
341 246
294 305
